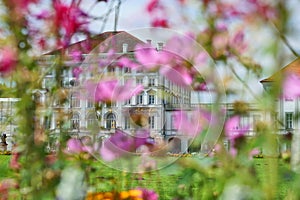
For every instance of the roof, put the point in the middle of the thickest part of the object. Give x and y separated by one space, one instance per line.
112 40
292 68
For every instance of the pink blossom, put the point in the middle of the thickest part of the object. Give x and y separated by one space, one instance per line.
121 143
174 60
148 194
69 19
14 161
76 55
44 14
126 62
76 146
291 87
150 58
111 90
8 60
191 125
220 41
152 5
237 42
77 71
233 129
159 22
177 74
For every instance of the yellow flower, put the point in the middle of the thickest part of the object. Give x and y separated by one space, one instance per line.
94 196
124 195
135 193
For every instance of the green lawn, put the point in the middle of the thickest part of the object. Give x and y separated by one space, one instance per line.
164 181
4 167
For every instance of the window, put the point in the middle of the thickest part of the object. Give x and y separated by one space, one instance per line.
90 104
151 99
75 102
127 70
289 120
75 121
128 102
139 81
152 82
110 121
91 120
140 99
127 123
47 122
111 69
151 122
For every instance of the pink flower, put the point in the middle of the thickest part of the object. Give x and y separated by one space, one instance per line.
76 55
233 129
291 87
237 42
152 5
191 125
121 143
76 146
150 58
126 62
158 22
177 74
8 60
14 161
148 194
175 60
111 90
77 71
69 19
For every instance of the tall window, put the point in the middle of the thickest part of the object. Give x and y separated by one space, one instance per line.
127 123
128 102
151 81
91 120
139 99
47 122
75 102
127 70
139 81
90 104
289 120
110 121
151 122
151 99
75 121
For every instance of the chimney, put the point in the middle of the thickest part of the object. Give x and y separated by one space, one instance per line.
149 41
160 46
125 48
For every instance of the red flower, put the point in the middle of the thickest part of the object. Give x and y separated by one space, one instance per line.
7 60
160 23
69 19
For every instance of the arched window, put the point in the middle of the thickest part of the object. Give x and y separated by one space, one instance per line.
75 121
111 121
75 102
91 120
